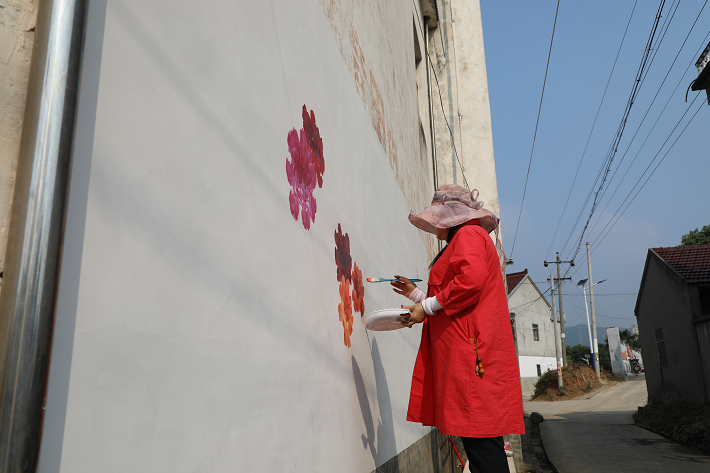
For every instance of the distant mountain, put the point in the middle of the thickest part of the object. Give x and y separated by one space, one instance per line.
579 334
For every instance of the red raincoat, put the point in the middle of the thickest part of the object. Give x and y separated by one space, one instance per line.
446 392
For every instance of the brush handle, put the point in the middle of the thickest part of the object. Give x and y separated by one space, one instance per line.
384 279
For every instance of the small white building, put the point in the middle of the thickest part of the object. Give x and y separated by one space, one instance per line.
532 329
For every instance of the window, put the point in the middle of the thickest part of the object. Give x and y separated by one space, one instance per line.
661 346
539 371
512 323
536 333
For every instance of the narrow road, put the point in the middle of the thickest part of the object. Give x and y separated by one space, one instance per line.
598 434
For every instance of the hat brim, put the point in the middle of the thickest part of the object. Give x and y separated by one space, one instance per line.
441 216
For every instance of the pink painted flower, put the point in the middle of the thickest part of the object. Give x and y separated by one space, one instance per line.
342 255
301 173
315 143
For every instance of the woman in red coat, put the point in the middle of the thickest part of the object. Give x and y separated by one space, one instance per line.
466 380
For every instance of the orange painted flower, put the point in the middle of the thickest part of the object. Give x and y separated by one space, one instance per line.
345 310
358 291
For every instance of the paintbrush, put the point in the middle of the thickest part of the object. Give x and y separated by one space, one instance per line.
385 279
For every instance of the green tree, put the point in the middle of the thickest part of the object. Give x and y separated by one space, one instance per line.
630 339
576 352
696 237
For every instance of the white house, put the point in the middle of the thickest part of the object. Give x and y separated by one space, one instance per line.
532 329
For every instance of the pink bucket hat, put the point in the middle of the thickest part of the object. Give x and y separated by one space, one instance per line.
453 205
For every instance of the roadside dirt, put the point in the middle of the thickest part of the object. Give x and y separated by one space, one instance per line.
578 380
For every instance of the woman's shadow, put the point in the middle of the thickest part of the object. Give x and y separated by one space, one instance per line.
383 445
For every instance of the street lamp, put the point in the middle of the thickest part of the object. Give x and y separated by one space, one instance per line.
582 283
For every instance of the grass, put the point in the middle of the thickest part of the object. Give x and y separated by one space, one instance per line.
683 421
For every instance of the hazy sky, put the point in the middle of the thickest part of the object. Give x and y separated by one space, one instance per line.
587 39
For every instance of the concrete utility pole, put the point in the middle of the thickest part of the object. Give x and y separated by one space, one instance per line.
562 321
595 342
558 345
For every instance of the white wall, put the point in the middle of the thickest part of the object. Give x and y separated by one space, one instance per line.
531 308
528 365
197 324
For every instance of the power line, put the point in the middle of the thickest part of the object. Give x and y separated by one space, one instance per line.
598 242
537 122
615 143
654 169
593 125
646 114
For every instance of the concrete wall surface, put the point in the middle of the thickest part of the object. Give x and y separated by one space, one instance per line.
663 303
461 83
17 24
211 289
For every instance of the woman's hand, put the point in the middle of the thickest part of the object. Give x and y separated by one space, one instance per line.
404 286
417 315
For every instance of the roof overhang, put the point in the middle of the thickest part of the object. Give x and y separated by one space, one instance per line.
703 80
526 277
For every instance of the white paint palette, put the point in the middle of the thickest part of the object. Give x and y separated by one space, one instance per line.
385 320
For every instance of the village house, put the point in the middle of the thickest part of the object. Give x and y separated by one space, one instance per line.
673 314
532 329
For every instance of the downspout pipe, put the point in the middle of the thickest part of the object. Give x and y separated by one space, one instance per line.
34 241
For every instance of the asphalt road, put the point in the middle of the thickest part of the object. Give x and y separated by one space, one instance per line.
598 434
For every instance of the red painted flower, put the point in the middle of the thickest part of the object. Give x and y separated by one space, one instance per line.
315 143
301 173
345 311
342 255
358 291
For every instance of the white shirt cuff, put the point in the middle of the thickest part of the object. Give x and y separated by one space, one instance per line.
431 305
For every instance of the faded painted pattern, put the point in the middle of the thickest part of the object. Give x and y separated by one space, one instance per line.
376 43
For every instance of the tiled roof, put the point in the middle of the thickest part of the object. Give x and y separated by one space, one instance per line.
514 279
692 262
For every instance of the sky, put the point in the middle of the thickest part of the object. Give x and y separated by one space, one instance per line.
580 84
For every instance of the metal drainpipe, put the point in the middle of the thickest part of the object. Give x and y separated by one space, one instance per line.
432 126
34 240
432 131
458 94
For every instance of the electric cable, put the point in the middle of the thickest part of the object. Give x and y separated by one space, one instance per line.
438 88
537 122
606 166
644 118
593 125
652 172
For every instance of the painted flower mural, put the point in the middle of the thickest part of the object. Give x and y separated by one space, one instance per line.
305 168
315 143
301 175
348 274
342 255
345 311
358 291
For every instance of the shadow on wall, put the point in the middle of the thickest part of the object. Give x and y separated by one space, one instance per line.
382 445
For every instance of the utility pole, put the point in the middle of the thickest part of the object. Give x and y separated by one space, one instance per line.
595 343
562 321
558 345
